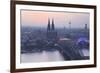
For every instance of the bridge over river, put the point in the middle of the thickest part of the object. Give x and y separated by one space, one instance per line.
53 53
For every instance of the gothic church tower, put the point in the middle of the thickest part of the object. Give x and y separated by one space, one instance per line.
51 32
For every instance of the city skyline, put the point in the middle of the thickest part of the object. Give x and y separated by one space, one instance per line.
61 19
70 43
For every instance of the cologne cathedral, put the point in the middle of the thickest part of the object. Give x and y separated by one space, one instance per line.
51 31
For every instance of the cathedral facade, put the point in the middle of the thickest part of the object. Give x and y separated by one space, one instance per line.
51 31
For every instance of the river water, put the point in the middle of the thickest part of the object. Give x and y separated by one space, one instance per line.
44 56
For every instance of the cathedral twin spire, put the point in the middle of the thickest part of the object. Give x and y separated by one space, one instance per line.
50 27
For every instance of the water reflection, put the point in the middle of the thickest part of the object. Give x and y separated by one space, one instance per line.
43 56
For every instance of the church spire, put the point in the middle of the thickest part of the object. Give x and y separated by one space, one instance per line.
53 28
48 27
85 26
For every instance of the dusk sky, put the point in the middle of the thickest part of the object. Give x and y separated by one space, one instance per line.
61 19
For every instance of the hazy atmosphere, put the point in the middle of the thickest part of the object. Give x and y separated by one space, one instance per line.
54 36
61 19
